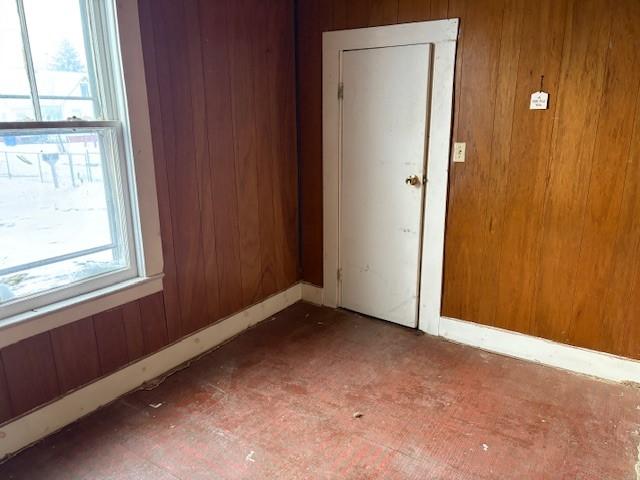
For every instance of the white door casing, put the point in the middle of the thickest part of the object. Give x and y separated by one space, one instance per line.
384 117
441 35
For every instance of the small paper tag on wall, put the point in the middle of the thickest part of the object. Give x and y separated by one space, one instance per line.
539 101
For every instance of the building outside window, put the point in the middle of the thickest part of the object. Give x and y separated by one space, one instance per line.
67 189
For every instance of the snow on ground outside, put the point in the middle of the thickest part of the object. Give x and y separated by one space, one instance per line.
49 222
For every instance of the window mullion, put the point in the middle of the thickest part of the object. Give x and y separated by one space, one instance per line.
31 73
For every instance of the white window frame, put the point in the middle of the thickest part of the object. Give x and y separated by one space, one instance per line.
442 35
140 191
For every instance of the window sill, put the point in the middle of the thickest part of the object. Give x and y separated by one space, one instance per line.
38 320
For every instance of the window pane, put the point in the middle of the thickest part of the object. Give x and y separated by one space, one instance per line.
62 210
62 67
15 95
16 109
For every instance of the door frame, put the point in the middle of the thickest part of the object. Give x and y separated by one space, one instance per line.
442 35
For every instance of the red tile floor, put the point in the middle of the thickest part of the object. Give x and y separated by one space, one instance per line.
278 402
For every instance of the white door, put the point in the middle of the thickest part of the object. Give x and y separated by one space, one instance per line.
384 118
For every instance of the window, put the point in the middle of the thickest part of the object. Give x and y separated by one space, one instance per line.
66 178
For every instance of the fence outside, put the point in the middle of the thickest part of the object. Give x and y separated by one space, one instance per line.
59 169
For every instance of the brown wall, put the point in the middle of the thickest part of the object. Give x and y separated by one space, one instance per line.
542 231
221 85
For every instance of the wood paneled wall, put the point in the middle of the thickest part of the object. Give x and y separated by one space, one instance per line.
542 234
221 84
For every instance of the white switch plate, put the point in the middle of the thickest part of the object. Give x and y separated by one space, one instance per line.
459 151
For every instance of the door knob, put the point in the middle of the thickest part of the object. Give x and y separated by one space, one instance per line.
413 180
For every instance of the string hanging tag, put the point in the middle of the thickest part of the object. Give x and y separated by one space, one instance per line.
539 99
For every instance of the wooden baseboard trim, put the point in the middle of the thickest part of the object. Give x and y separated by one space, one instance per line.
26 430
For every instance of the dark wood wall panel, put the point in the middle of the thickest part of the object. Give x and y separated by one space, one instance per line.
198 95
265 144
222 169
75 352
221 85
5 401
111 338
155 333
30 371
170 282
223 75
133 330
241 67
282 87
542 231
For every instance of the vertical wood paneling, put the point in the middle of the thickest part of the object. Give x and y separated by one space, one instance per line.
284 94
133 329
76 354
30 371
154 325
583 64
314 17
201 145
474 123
439 9
174 81
383 12
422 10
622 293
221 85
222 172
244 133
170 282
5 401
542 235
414 10
358 13
335 20
265 142
590 326
496 179
542 34
111 338
276 68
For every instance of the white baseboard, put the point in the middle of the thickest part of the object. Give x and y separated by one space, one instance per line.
30 428
539 350
312 294
525 347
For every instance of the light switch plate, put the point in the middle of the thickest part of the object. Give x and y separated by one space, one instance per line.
459 152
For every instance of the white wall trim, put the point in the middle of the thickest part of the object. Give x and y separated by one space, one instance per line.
442 35
144 195
526 347
36 425
540 350
312 294
44 421
48 317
